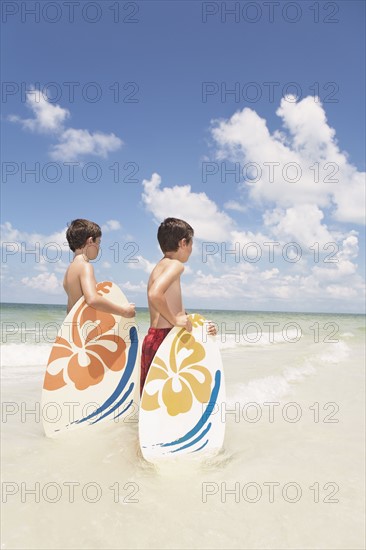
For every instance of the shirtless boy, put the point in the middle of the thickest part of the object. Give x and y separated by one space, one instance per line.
164 293
84 239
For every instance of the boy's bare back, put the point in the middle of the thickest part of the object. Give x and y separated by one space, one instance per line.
165 277
78 269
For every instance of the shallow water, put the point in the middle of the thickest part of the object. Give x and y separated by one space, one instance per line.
290 474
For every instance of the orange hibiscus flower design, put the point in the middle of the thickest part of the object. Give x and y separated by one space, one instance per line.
92 348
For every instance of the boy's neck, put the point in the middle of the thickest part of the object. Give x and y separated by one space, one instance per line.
172 256
80 252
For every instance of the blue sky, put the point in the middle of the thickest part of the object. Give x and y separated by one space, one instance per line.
176 61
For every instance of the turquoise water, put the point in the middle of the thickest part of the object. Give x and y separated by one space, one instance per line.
38 323
294 415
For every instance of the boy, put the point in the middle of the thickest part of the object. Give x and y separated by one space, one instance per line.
163 291
84 239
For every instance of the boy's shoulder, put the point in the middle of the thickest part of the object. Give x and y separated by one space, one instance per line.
79 267
170 264
167 265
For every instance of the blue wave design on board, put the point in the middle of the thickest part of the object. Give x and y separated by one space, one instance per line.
125 409
194 441
205 416
199 448
116 405
124 380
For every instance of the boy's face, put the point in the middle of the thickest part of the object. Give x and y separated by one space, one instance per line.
92 248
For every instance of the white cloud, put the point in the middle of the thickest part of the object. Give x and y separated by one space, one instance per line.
350 198
110 225
48 117
235 205
187 270
341 291
128 286
72 143
307 123
142 263
238 286
43 251
46 282
302 224
75 143
311 146
147 266
243 238
61 267
293 211
232 280
269 273
44 244
196 209
41 265
246 286
341 267
207 286
3 271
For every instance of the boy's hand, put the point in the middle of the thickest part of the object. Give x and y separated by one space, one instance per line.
211 328
182 320
129 311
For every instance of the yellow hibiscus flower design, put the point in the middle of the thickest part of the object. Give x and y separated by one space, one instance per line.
176 384
196 319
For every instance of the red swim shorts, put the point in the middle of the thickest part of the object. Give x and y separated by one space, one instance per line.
150 346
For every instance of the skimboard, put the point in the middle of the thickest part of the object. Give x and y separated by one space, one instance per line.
180 409
91 375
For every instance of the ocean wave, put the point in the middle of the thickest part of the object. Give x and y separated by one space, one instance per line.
335 353
275 387
28 354
24 355
260 390
264 338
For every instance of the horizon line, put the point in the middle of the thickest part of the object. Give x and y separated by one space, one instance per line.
209 309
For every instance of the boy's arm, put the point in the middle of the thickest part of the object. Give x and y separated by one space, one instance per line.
93 299
156 294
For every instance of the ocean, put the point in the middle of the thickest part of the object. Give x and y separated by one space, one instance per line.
290 474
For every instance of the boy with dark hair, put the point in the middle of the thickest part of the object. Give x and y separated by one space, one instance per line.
164 293
79 231
84 239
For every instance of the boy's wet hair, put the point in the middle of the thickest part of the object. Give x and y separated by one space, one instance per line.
171 231
79 231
